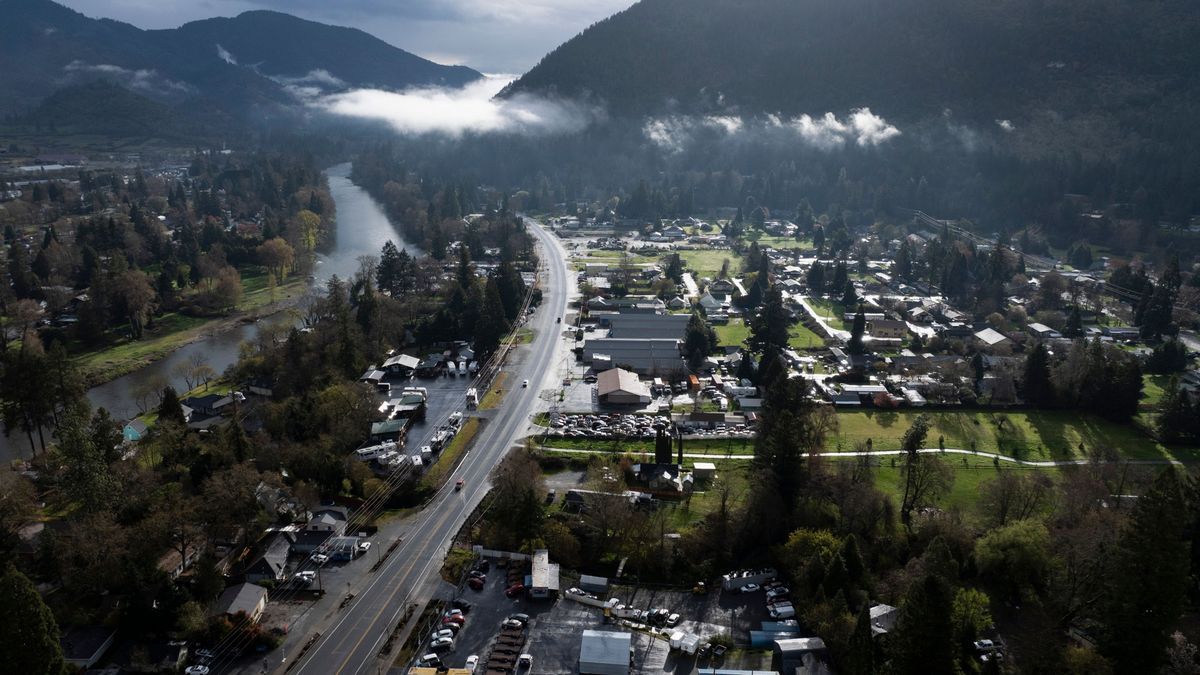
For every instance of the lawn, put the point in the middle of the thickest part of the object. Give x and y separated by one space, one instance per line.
1034 435
827 308
773 241
801 337
495 393
707 263
732 334
256 289
170 332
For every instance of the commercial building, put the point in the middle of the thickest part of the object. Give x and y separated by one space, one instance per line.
621 387
644 357
545 582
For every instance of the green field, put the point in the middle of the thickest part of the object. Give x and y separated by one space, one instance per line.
773 241
801 337
1032 435
733 333
707 263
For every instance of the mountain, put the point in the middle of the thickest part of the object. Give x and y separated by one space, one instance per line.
45 47
284 47
982 59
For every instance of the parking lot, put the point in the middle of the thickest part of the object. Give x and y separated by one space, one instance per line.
625 425
556 627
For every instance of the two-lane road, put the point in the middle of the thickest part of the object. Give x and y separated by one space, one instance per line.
352 643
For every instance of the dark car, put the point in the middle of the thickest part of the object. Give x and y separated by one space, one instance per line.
515 590
461 604
523 618
476 583
477 574
484 566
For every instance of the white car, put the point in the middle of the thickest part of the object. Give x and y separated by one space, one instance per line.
441 643
196 670
749 588
525 661
673 620
777 592
443 633
363 547
320 558
525 384
472 662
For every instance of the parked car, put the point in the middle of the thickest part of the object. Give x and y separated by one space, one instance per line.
515 590
320 558
472 662
749 588
719 650
511 623
451 626
441 643
984 645
525 661
777 592
431 660
523 618
461 605
477 574
443 633
475 583
484 565
363 547
673 620
196 670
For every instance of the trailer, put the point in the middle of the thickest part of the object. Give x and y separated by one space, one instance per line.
472 398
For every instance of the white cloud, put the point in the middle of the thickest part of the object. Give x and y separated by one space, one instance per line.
142 79
225 56
1006 125
453 112
871 129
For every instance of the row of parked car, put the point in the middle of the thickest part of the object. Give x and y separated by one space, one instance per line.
613 425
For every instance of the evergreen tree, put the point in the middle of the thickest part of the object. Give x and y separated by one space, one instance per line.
28 632
1177 417
1148 583
816 279
849 295
698 341
923 643
855 345
860 657
171 410
903 265
492 324
1074 327
769 328
1036 387
850 553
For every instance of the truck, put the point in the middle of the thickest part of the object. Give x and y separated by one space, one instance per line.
472 398
781 610
685 642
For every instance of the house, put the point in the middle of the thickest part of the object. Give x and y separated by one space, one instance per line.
621 387
649 326
175 564
605 653
677 303
1041 330
887 329
389 430
134 430
545 582
260 386
674 232
271 564
328 519
373 376
800 655
84 646
721 287
247 599
403 365
990 337
645 357
209 404
668 477
710 304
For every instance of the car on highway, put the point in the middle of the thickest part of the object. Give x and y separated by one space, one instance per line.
458 485
472 663
748 588
441 643
196 670
514 590
525 384
206 653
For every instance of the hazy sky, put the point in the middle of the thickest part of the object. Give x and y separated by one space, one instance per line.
495 36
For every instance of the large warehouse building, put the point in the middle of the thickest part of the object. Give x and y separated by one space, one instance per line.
604 653
621 387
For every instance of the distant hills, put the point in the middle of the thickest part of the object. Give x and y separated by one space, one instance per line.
982 59
243 66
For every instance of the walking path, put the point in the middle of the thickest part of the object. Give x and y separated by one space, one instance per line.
1044 464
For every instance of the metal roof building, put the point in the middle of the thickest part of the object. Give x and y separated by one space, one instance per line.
604 653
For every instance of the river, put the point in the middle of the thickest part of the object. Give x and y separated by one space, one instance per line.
362 228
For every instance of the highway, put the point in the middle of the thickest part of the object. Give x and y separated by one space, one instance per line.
351 644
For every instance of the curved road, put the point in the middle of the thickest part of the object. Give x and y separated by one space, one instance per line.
351 645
